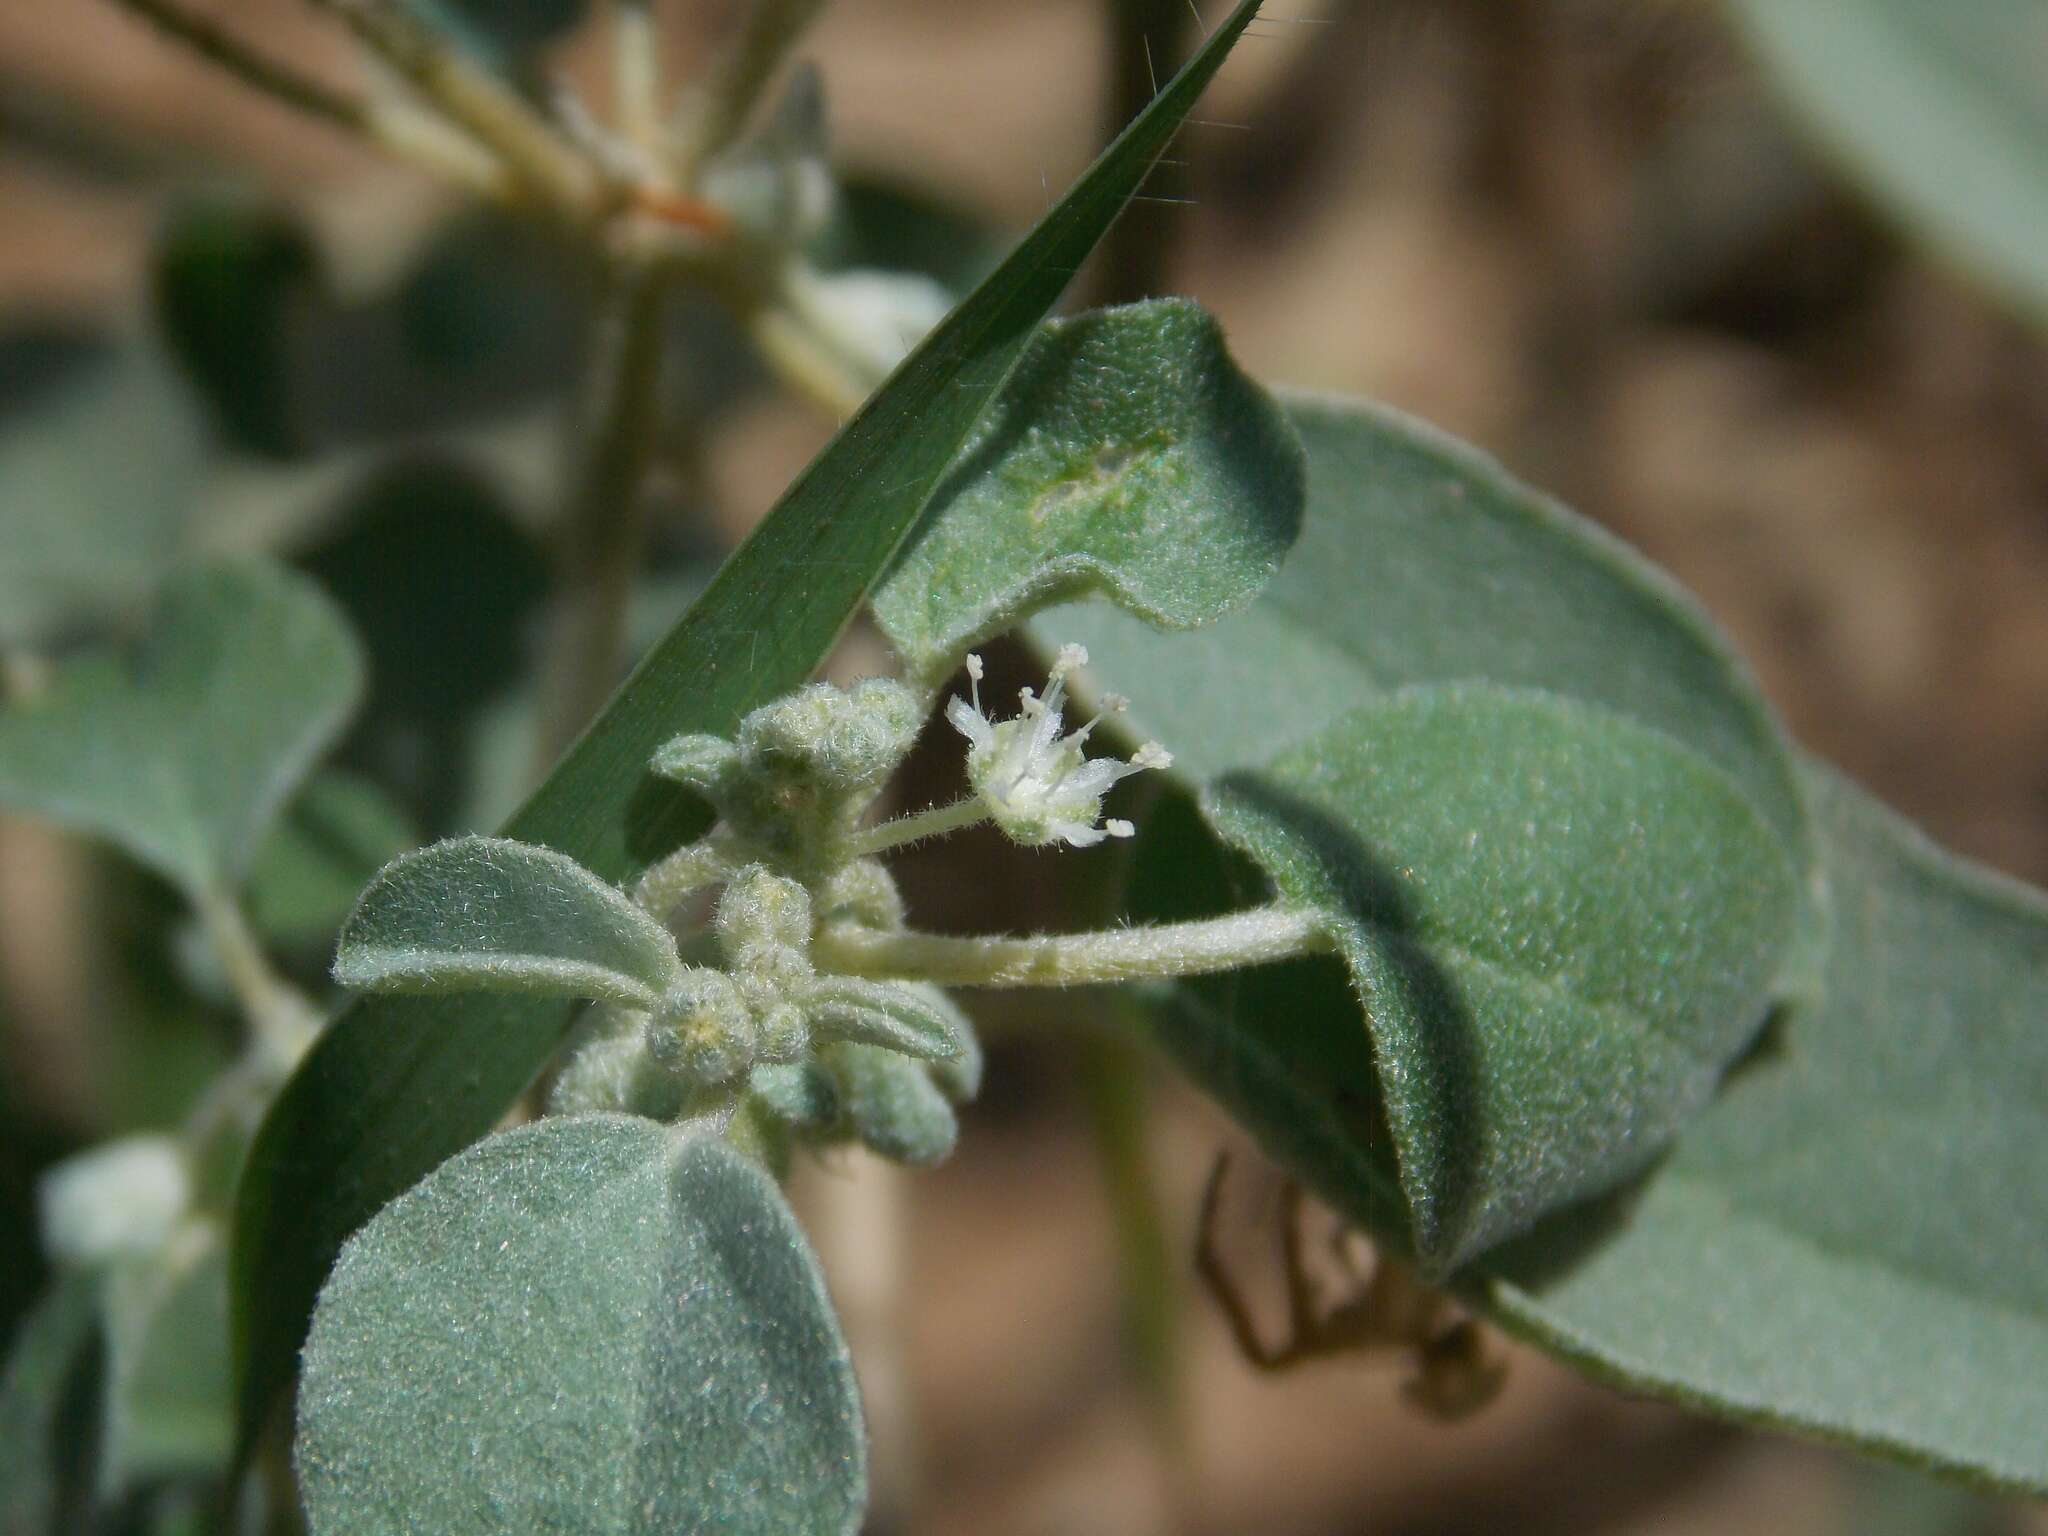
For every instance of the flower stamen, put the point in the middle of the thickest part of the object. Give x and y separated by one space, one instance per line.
1036 784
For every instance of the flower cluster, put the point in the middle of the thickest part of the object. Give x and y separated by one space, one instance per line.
1038 785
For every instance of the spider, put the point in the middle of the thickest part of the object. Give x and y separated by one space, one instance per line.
1456 1372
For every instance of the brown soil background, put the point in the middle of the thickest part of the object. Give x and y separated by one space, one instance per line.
1579 232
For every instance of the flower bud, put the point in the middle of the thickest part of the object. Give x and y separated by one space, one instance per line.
125 1198
704 1029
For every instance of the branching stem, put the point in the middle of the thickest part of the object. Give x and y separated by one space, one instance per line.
552 170
1255 937
667 884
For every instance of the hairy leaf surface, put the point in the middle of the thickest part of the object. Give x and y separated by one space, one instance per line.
1560 927
592 1324
1127 455
397 1085
1853 1240
486 914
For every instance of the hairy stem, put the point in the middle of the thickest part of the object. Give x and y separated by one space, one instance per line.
470 97
918 826
716 108
1069 960
666 884
604 525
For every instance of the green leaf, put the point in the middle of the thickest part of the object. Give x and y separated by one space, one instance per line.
896 1017
1560 925
395 1086
1128 455
1850 1241
98 475
183 754
1940 110
50 1399
170 1389
1421 560
891 1104
306 875
486 914
593 1324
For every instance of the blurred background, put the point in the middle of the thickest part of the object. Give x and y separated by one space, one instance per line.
1594 237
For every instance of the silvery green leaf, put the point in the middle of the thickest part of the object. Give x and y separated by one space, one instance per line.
1129 456
487 914
593 1324
1561 928
183 752
889 1103
1850 1241
882 1013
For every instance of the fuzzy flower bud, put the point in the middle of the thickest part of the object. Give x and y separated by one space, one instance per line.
704 1028
1038 785
123 1198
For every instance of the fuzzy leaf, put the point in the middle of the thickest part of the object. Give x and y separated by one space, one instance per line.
593 1324
892 1105
486 914
183 754
1128 455
1851 1240
1422 561
394 1086
892 1015
1940 110
1561 927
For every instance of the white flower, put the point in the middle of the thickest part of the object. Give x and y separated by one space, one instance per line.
1038 785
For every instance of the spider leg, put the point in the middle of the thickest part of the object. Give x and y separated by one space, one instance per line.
1456 1373
1216 1279
1305 1326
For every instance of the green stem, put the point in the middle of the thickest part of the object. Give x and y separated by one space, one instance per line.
667 883
604 525
1256 937
282 1019
915 828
